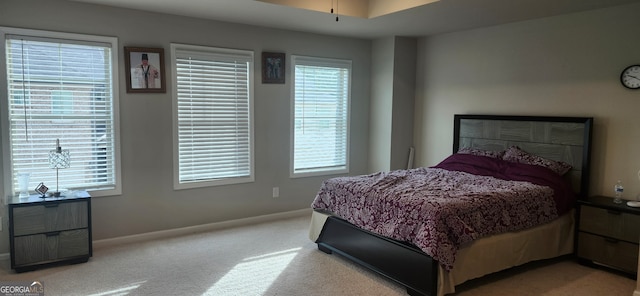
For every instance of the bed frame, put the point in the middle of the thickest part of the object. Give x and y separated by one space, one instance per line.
566 139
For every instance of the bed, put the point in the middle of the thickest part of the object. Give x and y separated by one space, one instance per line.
359 231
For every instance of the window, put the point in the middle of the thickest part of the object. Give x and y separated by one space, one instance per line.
61 102
61 86
320 120
213 116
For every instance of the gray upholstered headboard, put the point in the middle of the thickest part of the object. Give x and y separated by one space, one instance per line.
565 139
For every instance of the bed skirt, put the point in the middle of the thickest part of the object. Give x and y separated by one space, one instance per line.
497 252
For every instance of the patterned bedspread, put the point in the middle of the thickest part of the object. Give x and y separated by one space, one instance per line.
441 208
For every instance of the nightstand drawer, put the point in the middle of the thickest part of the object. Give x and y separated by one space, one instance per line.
50 217
608 251
51 246
613 224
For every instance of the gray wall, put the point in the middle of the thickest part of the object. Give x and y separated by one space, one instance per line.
148 202
566 65
404 86
381 104
393 86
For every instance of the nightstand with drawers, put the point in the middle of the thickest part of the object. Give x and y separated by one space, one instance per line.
50 230
608 233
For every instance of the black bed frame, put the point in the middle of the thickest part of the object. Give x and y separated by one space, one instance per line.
398 261
405 263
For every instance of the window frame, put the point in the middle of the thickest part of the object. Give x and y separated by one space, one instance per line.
5 126
212 50
328 62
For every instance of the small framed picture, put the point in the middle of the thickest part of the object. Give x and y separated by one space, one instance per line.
42 189
273 67
144 69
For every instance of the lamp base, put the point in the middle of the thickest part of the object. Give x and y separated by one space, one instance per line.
56 194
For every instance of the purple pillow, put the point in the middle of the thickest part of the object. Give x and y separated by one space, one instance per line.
478 152
515 154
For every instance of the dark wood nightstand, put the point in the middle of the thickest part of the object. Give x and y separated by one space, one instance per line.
608 233
45 231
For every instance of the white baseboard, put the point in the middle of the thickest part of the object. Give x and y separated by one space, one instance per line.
103 243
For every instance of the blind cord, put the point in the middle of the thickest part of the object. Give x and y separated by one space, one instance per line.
24 95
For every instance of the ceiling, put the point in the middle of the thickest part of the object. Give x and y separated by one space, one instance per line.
422 20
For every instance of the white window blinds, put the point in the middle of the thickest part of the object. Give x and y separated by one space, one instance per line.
62 89
320 116
213 116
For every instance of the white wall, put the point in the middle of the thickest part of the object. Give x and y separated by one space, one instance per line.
558 66
148 202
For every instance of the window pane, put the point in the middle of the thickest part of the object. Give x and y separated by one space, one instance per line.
320 119
60 89
214 116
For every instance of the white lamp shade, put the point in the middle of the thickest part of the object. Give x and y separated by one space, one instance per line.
59 160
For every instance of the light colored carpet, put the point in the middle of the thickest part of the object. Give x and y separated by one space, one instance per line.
277 258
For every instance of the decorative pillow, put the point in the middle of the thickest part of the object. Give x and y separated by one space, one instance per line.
515 154
487 153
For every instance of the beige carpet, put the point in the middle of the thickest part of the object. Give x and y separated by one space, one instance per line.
276 258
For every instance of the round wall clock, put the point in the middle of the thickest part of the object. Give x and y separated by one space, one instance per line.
630 77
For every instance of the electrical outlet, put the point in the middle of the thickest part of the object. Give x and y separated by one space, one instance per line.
276 192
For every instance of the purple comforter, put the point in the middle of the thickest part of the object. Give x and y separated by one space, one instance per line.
438 209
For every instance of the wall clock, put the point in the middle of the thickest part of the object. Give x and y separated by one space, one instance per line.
630 77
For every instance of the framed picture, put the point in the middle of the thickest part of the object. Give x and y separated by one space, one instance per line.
273 67
145 70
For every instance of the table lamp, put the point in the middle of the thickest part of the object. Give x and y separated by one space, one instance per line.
58 159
